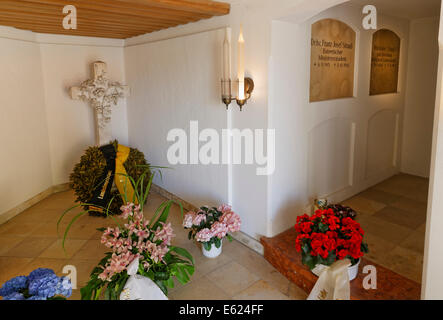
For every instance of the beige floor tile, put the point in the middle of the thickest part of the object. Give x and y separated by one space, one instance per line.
383 229
379 196
81 230
36 214
55 264
415 242
406 262
233 278
7 243
414 206
364 205
201 289
205 265
401 217
49 230
91 250
255 263
21 229
260 290
379 248
406 186
11 267
56 251
30 247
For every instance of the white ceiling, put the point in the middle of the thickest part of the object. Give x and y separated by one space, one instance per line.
409 9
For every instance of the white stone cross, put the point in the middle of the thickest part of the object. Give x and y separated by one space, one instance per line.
102 94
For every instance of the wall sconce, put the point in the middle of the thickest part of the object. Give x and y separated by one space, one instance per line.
245 85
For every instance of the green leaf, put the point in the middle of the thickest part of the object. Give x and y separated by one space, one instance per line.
162 286
162 276
306 249
182 252
217 242
170 283
323 227
69 227
309 261
207 246
229 237
107 294
164 216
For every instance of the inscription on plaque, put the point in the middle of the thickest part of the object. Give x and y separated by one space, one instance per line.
332 60
384 62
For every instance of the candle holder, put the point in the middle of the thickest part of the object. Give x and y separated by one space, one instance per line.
249 87
227 93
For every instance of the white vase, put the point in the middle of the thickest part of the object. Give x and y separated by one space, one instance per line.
352 270
214 252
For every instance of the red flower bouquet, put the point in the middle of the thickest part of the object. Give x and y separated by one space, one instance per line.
328 236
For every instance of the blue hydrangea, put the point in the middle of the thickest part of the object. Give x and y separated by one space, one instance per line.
44 286
36 298
13 286
41 284
40 272
64 287
14 296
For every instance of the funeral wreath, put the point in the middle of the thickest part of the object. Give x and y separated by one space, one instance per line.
89 173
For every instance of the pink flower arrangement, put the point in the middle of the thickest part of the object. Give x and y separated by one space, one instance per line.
135 240
138 245
211 225
204 235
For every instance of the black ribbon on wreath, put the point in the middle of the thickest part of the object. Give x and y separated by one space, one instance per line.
102 191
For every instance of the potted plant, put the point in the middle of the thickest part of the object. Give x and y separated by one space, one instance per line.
210 226
138 247
329 235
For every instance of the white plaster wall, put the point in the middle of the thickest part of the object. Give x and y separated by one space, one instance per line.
25 159
44 132
342 126
70 122
151 115
420 97
176 81
171 83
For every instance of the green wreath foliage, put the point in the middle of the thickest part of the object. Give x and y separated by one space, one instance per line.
87 172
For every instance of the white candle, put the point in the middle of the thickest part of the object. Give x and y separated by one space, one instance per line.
241 65
227 57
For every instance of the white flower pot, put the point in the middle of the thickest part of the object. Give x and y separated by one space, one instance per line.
352 270
213 253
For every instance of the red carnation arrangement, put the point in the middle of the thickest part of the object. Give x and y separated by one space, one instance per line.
328 236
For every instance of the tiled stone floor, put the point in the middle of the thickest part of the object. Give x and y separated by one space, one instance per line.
30 240
393 215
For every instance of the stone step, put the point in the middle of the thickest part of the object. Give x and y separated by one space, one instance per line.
280 252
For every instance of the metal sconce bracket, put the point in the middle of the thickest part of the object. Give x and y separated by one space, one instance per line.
249 88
